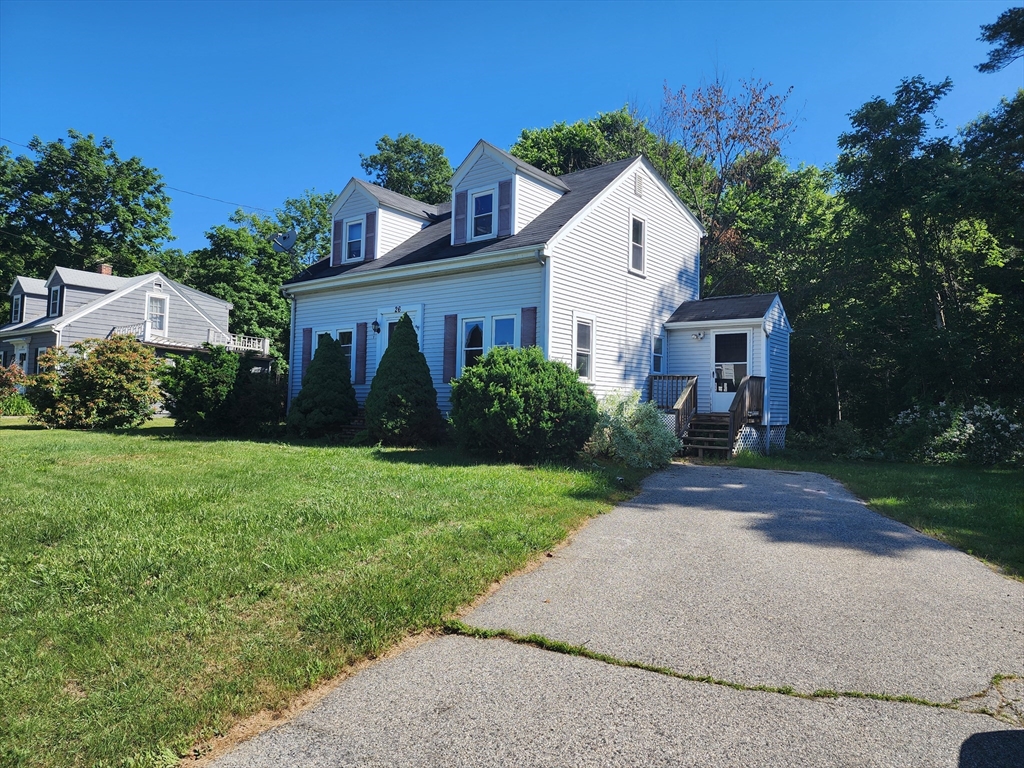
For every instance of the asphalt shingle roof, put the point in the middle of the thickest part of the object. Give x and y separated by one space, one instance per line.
82 279
432 243
750 307
398 201
31 285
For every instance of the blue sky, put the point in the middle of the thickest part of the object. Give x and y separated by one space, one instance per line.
255 102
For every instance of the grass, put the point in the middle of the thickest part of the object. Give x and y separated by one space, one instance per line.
979 511
153 589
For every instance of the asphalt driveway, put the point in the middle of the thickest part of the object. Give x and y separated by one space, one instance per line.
752 578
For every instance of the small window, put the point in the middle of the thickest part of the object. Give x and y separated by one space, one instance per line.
345 339
636 259
504 332
483 214
158 313
16 308
472 342
354 240
54 301
584 348
658 355
40 351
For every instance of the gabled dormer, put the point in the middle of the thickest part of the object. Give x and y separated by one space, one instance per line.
497 195
28 300
369 221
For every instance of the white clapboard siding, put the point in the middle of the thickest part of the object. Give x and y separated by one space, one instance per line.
394 228
359 203
590 275
486 170
531 200
482 292
778 357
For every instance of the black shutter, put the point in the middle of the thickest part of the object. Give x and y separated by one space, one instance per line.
360 353
459 222
307 351
528 333
336 249
504 208
371 236
451 347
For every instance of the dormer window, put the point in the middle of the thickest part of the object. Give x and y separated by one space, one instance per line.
483 214
354 237
16 308
54 308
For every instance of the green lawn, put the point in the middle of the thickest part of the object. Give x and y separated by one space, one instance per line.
153 589
980 511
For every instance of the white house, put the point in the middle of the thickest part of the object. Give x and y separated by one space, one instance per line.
598 268
72 305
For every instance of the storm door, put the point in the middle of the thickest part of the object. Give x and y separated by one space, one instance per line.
731 365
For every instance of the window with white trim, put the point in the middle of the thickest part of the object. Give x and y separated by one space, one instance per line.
355 239
16 308
346 338
636 244
156 313
583 347
658 355
472 341
54 308
482 211
40 351
481 333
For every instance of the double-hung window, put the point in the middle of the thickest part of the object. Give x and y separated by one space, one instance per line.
345 339
354 239
658 355
472 341
482 209
157 313
584 347
16 308
636 245
54 309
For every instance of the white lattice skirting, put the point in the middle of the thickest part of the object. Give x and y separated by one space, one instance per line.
761 439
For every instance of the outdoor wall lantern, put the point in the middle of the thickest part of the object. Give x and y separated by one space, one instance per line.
697 336
376 326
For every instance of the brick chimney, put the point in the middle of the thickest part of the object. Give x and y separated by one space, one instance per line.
105 269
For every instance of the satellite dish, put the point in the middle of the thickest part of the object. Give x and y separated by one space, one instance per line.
284 241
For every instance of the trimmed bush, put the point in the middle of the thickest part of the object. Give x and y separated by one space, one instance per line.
96 384
327 401
515 405
401 408
632 433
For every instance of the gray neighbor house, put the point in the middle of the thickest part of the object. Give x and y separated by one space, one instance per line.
73 305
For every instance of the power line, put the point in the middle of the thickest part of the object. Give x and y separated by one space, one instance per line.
168 186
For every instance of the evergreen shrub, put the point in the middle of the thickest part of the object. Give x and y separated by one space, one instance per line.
632 433
95 384
327 401
218 392
515 405
401 408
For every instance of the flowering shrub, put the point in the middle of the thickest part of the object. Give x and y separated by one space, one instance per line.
97 384
632 432
982 434
11 378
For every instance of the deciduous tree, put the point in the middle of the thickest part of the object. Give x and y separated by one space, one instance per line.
410 166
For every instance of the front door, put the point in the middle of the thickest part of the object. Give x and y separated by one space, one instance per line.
731 365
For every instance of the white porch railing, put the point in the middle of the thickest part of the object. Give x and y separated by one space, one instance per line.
233 341
239 343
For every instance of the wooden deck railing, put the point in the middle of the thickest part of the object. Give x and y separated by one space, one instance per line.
747 405
676 394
